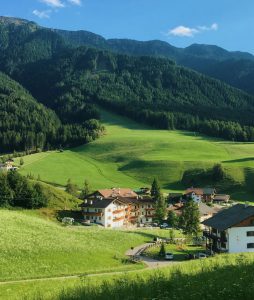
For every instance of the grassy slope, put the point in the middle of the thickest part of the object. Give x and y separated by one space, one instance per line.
132 155
32 246
225 276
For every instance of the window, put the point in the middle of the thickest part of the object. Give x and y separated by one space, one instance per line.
250 245
95 209
100 218
250 233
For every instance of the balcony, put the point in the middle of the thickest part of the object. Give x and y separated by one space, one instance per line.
118 219
118 211
209 235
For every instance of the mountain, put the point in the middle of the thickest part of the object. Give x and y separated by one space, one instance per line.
235 68
72 81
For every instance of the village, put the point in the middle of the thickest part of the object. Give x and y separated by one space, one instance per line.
226 227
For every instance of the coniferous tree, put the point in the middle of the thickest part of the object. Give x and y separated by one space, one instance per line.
85 191
155 189
6 194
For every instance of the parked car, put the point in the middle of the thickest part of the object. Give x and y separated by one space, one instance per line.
164 225
201 255
169 256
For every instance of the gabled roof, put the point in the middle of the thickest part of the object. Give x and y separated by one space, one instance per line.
230 217
115 192
194 190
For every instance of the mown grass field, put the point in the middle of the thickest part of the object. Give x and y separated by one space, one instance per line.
34 247
131 155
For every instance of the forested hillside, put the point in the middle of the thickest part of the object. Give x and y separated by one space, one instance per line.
235 68
151 90
27 125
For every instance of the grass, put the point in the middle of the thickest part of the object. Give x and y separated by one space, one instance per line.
221 277
34 247
179 251
131 155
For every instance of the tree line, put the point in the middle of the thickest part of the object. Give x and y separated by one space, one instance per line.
18 191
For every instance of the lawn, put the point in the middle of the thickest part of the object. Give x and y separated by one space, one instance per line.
33 247
179 251
131 155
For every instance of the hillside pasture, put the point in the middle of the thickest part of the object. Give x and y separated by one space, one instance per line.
131 155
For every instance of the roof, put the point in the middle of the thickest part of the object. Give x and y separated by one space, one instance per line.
97 203
208 191
221 197
194 190
205 209
230 217
115 192
138 200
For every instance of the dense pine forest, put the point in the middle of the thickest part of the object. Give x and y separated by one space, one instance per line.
26 124
72 82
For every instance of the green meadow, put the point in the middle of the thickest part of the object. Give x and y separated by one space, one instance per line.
131 155
33 246
221 277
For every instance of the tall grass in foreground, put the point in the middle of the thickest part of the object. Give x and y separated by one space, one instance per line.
226 277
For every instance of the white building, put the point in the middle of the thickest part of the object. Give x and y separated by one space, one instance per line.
109 213
231 230
118 211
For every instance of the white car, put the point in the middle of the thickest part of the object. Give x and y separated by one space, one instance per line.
201 255
169 256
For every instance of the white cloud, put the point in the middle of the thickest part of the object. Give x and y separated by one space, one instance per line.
45 14
214 27
183 31
75 2
53 3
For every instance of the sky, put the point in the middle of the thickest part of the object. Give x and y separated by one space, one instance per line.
226 23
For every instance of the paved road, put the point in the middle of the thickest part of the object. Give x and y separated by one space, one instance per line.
150 262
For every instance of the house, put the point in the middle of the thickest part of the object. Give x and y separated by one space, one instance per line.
221 198
117 208
208 194
195 194
231 230
110 213
8 165
205 211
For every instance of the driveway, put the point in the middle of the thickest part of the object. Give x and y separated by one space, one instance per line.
150 262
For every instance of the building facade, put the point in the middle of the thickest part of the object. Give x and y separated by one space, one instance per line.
118 211
231 230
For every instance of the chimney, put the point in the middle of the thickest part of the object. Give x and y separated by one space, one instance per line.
246 204
91 202
85 200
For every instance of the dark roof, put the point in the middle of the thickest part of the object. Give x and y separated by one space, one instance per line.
208 191
229 217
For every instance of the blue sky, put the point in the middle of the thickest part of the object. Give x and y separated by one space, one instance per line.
227 23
